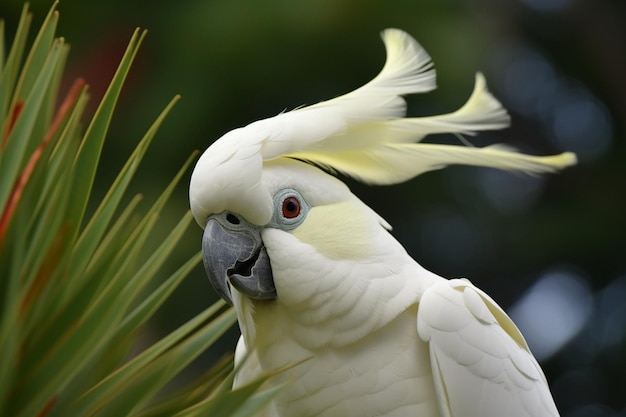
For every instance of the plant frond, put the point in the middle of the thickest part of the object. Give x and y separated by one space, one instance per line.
77 293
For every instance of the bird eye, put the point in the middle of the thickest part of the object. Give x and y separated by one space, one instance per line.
291 207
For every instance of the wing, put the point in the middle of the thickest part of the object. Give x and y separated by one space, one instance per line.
481 364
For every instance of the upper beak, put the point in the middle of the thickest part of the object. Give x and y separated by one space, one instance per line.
235 255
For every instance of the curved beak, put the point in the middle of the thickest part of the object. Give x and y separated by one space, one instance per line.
234 255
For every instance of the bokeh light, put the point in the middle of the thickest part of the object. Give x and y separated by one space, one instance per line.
570 115
553 311
509 193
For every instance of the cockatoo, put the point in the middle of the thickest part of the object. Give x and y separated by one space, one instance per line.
320 286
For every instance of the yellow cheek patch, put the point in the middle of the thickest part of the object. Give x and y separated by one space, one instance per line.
339 231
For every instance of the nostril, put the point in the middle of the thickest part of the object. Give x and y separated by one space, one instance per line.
232 219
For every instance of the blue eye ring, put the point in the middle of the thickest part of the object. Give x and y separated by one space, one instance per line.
290 209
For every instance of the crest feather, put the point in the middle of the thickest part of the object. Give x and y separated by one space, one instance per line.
408 69
362 134
388 151
394 163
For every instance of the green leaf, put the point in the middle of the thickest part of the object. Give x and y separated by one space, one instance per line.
37 57
93 232
144 375
195 392
242 402
48 174
20 139
153 378
87 159
77 294
79 332
10 73
55 169
148 307
2 40
126 332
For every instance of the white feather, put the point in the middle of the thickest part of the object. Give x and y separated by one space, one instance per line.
327 125
362 133
389 164
482 366
481 112
408 69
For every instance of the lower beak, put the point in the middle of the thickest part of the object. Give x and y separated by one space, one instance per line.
234 255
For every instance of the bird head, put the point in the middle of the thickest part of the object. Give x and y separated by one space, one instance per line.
287 203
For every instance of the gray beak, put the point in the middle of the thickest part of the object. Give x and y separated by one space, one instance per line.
234 254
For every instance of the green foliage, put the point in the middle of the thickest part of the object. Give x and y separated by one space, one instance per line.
76 292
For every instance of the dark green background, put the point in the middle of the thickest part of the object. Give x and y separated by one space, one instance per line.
558 65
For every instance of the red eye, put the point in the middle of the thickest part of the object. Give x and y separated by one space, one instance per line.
291 207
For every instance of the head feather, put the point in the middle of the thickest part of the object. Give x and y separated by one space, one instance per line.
362 134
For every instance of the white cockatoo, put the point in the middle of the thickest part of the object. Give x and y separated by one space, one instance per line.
321 287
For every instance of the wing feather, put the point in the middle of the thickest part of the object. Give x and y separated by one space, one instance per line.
481 364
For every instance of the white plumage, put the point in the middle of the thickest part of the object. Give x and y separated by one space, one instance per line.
376 334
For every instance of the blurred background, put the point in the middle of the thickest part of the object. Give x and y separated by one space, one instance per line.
551 250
